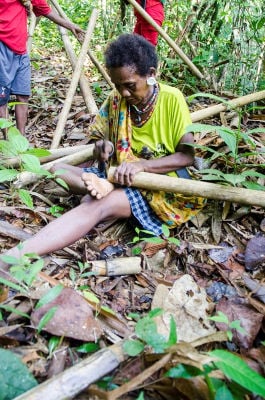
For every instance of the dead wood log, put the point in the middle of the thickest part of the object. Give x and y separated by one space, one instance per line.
73 380
84 86
75 78
26 178
90 54
171 42
239 102
189 187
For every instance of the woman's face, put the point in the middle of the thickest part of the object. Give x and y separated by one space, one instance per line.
131 85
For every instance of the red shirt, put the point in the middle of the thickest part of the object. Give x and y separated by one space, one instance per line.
13 23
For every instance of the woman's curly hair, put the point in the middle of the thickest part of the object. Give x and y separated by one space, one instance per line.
130 49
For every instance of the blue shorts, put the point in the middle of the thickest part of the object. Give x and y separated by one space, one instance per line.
14 74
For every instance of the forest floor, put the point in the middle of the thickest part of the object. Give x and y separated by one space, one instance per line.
208 268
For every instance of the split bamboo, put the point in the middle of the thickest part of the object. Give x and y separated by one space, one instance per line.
84 86
73 380
94 60
75 78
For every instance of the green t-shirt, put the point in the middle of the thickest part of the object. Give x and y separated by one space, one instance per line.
160 135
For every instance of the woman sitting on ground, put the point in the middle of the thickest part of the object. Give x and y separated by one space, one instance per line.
140 127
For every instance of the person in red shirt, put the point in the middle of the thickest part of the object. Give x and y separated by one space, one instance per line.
15 72
155 9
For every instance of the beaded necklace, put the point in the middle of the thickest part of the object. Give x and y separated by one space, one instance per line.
148 109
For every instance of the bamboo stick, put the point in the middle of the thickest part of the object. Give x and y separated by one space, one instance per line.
75 78
84 86
26 178
54 154
189 187
90 54
73 380
33 23
239 102
171 42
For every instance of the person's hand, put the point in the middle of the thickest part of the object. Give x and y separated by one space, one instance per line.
103 150
125 173
76 30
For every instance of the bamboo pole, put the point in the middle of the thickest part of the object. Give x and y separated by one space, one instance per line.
54 154
239 102
26 178
33 23
83 83
91 56
75 78
189 187
73 380
171 42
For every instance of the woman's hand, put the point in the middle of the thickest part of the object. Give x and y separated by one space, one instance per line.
103 150
125 172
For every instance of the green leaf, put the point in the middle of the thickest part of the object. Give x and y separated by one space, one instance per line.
8 175
39 152
133 347
237 370
31 163
46 318
156 240
173 337
155 313
165 230
141 396
88 348
183 371
12 285
10 259
33 270
18 142
25 197
14 310
15 378
5 123
51 295
220 317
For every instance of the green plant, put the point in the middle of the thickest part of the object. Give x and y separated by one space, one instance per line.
151 238
17 156
239 379
238 168
55 210
146 334
221 317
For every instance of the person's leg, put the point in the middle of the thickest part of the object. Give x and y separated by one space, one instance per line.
80 182
21 112
74 224
21 88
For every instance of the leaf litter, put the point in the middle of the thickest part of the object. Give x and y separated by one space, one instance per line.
219 266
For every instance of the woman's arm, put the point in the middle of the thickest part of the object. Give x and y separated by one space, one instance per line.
183 157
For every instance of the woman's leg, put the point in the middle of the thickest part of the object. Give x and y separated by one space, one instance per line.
74 224
80 182
72 177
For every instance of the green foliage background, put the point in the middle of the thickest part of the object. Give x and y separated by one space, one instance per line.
225 39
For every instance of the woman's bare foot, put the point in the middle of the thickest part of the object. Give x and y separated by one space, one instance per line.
97 187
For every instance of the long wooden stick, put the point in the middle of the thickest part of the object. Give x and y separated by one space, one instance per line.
75 379
74 82
239 102
189 187
84 86
33 23
90 54
171 42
